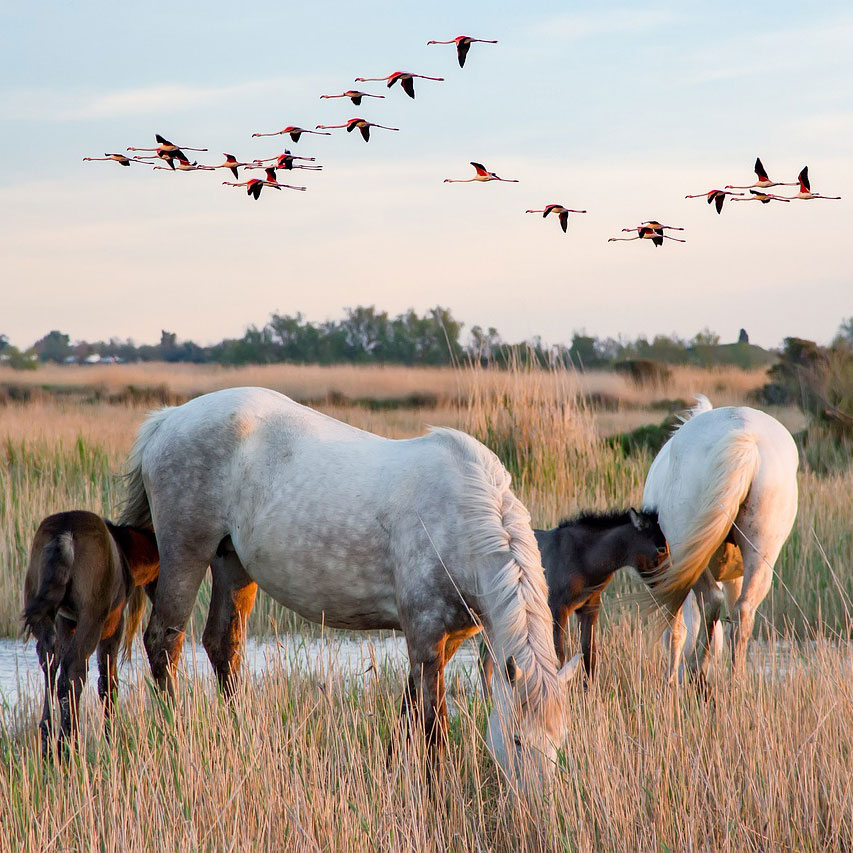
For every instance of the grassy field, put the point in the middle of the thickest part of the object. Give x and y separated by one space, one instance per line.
300 761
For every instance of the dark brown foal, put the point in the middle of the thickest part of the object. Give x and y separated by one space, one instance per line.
580 557
84 573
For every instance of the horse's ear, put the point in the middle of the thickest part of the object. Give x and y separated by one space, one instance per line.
569 670
636 519
511 670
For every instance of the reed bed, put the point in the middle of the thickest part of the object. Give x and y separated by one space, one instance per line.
297 761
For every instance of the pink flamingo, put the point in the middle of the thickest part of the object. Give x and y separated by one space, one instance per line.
118 158
806 193
406 80
163 144
650 230
763 197
763 181
293 132
284 161
272 181
562 213
716 197
253 186
362 124
483 175
231 162
184 165
463 45
354 95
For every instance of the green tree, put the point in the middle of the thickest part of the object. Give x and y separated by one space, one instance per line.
54 346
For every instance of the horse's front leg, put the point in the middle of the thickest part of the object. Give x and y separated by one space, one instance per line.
677 638
231 602
588 619
182 569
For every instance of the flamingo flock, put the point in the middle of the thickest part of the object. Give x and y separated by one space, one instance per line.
171 157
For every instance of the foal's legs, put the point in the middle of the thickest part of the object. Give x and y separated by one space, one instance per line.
108 650
72 673
230 606
587 615
49 660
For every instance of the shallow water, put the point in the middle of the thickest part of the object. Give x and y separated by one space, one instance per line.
350 659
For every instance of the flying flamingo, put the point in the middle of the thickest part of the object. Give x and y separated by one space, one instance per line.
231 162
354 95
293 132
482 175
283 161
163 144
806 193
118 158
463 45
716 197
166 156
184 165
763 181
272 181
562 213
362 124
253 187
650 230
763 197
406 80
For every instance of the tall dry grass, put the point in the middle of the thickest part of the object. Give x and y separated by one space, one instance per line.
298 762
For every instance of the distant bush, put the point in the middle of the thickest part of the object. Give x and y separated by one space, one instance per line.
644 372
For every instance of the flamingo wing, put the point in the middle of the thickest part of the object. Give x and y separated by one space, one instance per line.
408 85
719 198
564 220
234 172
356 99
365 132
295 134
760 170
803 178
161 139
463 45
658 239
481 169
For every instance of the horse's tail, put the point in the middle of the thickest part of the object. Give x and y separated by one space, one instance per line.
57 563
134 610
516 595
734 460
136 510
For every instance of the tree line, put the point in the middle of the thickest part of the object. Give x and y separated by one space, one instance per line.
366 335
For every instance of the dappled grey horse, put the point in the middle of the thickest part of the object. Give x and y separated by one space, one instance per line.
355 531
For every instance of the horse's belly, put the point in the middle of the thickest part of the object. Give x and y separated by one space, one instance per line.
339 595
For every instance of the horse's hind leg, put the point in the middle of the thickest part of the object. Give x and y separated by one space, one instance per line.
709 598
49 661
72 674
231 603
108 650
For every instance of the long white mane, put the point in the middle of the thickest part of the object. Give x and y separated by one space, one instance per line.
517 594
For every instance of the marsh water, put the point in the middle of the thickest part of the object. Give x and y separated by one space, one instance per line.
350 658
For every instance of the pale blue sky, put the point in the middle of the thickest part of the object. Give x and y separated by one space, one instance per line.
605 107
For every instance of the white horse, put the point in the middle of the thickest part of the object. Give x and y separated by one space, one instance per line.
725 489
355 531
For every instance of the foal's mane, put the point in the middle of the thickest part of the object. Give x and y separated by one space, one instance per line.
604 520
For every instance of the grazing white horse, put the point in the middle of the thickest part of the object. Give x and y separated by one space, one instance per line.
355 531
725 489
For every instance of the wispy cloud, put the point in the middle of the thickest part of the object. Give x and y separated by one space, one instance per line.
44 105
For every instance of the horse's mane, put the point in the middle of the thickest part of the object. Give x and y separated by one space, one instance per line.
604 520
499 523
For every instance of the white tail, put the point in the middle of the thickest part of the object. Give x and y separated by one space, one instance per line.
734 459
